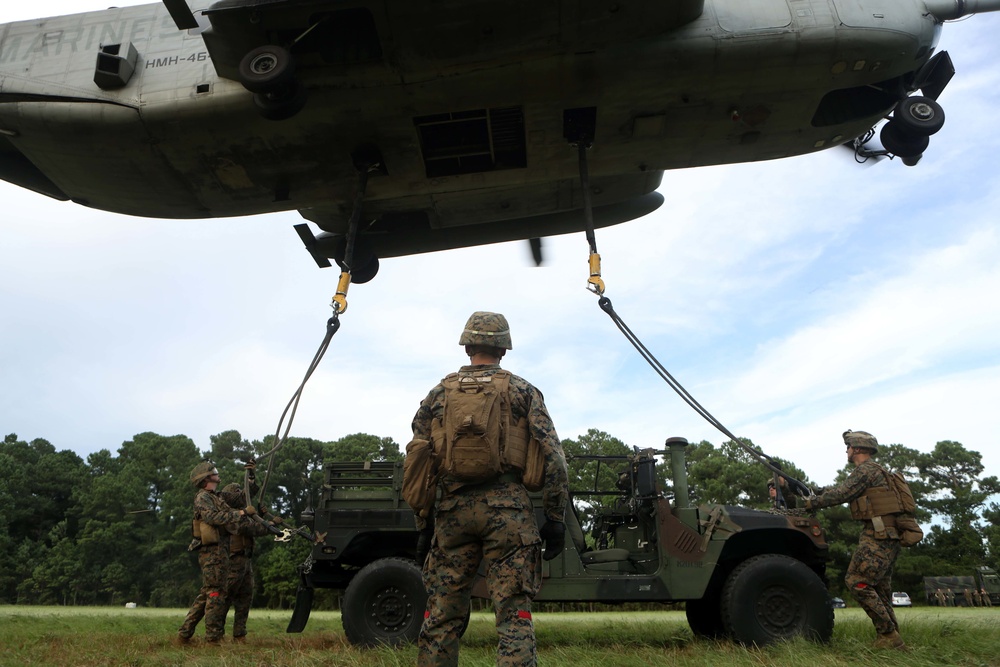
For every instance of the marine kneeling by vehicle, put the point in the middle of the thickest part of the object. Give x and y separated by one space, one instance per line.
750 575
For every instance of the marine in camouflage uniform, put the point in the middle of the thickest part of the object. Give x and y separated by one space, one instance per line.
239 578
492 521
240 583
869 576
213 559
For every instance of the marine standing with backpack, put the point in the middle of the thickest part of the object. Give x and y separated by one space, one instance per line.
886 512
485 427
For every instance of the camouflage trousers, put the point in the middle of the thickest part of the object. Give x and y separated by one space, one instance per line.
494 525
869 577
239 595
239 588
212 602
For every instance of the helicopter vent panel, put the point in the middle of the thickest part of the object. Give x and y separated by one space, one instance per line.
470 142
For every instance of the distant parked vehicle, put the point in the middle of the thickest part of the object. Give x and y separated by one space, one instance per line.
901 600
984 579
838 603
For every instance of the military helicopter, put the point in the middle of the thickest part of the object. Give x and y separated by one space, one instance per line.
409 127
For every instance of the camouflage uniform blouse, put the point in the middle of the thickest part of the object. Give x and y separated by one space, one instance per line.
862 478
525 402
210 507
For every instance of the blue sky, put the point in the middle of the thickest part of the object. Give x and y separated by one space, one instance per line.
795 299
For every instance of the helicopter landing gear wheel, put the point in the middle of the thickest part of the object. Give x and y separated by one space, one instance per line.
281 103
901 142
918 116
266 69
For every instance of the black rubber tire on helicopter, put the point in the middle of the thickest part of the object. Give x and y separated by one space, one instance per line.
282 103
384 604
901 143
705 617
266 69
772 597
919 116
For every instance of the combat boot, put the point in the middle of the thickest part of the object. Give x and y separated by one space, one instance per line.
890 640
240 639
181 640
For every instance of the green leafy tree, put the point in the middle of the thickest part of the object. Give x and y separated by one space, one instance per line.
957 492
277 573
730 475
590 473
294 473
135 514
991 533
41 481
38 487
363 447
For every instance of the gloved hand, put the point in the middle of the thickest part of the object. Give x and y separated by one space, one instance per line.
249 510
554 536
277 520
424 540
251 464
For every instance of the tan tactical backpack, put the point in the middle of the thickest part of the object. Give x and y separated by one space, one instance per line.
890 507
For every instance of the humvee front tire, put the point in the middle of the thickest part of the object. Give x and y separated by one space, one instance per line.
773 597
384 604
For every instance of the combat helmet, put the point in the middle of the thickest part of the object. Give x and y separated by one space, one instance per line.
485 328
203 471
861 440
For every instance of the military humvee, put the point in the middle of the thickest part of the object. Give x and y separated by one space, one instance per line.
750 575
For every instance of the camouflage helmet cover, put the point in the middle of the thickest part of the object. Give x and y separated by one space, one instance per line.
861 440
203 471
485 328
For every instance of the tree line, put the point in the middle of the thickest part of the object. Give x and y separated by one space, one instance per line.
114 527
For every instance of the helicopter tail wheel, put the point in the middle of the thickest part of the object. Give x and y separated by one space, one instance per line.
281 103
902 143
919 116
266 69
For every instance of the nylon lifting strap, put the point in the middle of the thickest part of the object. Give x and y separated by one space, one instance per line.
596 285
339 306
332 326
339 303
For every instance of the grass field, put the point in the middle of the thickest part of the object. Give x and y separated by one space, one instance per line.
92 636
